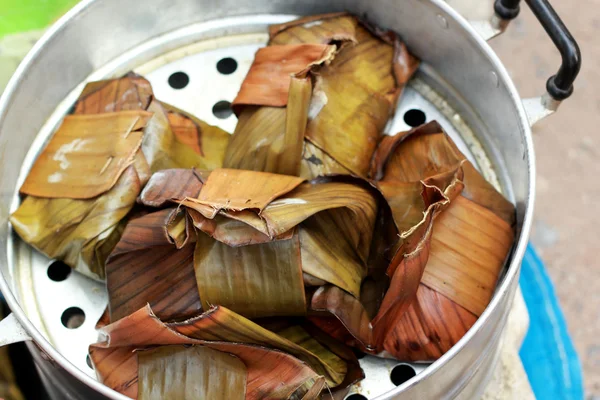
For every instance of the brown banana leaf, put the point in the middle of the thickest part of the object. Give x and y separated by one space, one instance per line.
232 232
471 242
431 325
269 139
328 254
95 147
337 221
483 193
221 324
352 98
414 155
192 373
333 27
274 204
218 329
468 279
421 176
151 266
82 232
162 150
427 150
268 81
131 92
104 319
334 243
208 141
356 329
326 348
254 280
74 231
413 207
315 162
237 190
170 185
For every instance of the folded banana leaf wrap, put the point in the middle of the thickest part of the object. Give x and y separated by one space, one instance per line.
345 92
219 354
86 180
455 232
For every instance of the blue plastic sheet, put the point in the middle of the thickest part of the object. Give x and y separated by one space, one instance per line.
548 354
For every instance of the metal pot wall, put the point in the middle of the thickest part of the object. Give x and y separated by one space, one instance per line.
461 83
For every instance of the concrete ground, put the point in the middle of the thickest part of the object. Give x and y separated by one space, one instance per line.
568 164
567 216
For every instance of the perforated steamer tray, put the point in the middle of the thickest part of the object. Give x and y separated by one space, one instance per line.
200 69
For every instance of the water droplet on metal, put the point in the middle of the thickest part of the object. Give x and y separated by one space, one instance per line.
442 21
495 80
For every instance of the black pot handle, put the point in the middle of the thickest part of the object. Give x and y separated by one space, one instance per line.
559 86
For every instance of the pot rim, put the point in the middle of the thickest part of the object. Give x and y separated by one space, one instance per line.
501 291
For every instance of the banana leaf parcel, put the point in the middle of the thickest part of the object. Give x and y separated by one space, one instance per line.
86 180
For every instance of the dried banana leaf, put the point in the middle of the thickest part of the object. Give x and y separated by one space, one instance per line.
355 94
191 373
485 194
131 92
274 204
151 265
315 162
222 330
269 139
349 312
468 279
161 148
74 231
413 207
208 141
82 227
326 348
335 244
252 280
273 106
221 324
328 254
268 81
255 280
337 221
471 244
86 155
427 150
167 186
237 190
351 99
414 155
421 176
431 325
116 367
333 27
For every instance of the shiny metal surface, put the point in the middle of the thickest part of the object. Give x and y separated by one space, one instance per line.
471 87
538 108
11 331
481 16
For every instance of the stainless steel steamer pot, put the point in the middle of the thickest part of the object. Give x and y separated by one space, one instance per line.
461 83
